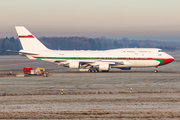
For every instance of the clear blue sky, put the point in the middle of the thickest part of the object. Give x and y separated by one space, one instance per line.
145 19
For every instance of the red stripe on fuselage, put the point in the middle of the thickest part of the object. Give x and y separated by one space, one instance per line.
168 60
105 57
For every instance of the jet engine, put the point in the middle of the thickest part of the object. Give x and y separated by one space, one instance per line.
104 67
74 65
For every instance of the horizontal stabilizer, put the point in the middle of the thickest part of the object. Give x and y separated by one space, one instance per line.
23 53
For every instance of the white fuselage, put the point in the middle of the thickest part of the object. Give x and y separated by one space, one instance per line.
131 57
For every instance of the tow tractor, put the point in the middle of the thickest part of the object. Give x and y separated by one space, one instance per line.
37 71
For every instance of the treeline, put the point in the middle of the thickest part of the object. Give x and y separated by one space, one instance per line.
83 43
9 44
77 43
126 43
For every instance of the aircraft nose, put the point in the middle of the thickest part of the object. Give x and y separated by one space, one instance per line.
171 57
168 60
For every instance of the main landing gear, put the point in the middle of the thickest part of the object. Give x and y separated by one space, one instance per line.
93 70
156 69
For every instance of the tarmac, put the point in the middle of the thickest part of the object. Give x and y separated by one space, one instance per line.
69 94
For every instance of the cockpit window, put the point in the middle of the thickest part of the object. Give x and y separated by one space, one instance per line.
159 50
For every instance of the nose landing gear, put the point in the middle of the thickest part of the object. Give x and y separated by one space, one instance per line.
156 69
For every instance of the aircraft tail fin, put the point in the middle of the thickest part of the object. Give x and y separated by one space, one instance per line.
28 40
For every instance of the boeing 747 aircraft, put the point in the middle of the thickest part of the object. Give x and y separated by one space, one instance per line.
94 61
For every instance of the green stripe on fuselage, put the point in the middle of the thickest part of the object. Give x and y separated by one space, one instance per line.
160 60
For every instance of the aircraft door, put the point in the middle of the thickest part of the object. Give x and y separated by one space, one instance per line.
136 51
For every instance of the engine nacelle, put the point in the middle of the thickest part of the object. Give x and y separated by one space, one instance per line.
104 67
74 65
125 68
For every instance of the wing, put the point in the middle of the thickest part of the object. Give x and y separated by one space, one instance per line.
88 64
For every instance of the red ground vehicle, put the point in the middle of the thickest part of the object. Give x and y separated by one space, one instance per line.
27 70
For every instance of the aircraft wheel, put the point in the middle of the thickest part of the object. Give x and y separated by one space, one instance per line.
156 71
95 70
89 71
